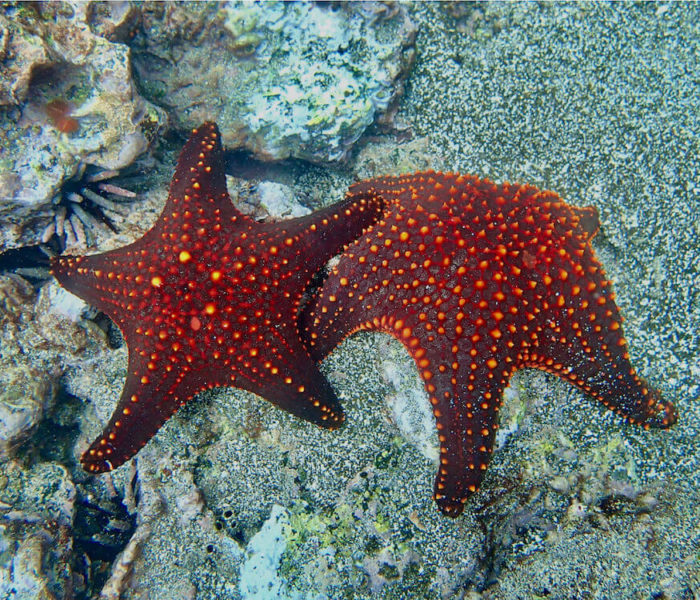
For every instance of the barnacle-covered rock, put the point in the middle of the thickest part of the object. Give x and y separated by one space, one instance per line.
298 79
66 98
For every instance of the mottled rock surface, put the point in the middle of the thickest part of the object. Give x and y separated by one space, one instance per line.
50 57
281 79
36 546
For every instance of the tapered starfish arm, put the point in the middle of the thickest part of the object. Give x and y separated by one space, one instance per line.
466 417
148 400
329 229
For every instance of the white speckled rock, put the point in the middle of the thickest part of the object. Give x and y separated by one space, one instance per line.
279 202
408 400
295 79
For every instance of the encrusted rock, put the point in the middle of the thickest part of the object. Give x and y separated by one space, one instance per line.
20 52
298 79
36 535
27 385
66 97
36 342
25 393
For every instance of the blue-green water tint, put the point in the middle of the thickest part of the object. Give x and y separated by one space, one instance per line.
598 102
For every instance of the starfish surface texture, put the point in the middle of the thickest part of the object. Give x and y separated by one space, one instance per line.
209 297
478 280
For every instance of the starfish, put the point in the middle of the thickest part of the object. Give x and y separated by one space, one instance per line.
478 280
209 297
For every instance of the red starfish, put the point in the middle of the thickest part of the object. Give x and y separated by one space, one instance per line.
478 280
208 297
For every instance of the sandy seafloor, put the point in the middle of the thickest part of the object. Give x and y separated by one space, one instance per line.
600 103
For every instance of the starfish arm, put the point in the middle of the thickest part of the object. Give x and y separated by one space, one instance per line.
616 385
322 325
466 416
575 326
81 276
162 376
297 386
465 382
324 233
198 196
101 280
595 359
198 191
148 400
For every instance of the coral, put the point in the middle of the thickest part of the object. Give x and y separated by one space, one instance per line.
105 533
357 538
171 520
596 490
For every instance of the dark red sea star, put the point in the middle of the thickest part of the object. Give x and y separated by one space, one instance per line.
478 280
208 297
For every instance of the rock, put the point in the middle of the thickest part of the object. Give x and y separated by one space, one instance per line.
20 51
299 79
279 202
66 98
408 400
36 537
34 342
25 394
259 572
27 388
